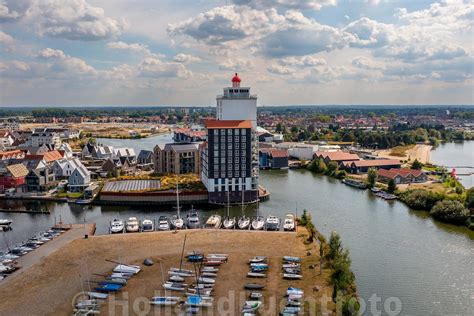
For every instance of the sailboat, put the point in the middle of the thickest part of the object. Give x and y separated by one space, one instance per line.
176 221
244 221
229 222
258 222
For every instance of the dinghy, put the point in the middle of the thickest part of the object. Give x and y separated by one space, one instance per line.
291 259
258 259
204 280
294 291
229 223
174 287
176 278
165 300
258 223
256 275
292 276
132 225
121 268
251 306
214 221
97 295
199 301
255 295
108 287
254 286
148 225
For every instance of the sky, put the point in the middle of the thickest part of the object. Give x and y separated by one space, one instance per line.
183 52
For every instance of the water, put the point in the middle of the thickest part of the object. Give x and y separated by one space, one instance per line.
455 155
396 252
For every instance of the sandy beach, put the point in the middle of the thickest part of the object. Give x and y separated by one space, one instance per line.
49 286
419 151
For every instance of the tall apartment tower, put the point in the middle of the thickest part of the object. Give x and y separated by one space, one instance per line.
229 157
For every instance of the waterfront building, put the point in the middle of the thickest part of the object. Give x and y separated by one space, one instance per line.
63 168
402 175
12 176
229 158
176 158
272 158
40 179
79 179
338 156
12 154
362 166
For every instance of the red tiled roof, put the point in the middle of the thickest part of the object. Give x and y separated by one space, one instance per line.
376 162
279 153
227 124
10 154
387 173
47 156
392 173
337 155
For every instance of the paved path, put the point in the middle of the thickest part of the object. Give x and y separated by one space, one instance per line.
35 256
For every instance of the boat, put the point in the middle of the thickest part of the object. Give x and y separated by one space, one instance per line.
229 222
256 275
292 259
192 220
116 226
272 223
258 223
203 280
132 225
251 306
165 300
148 225
176 279
355 183
375 189
255 295
292 276
254 286
163 223
126 269
244 222
289 223
5 222
294 291
199 301
108 288
214 221
174 287
385 195
176 221
83 201
258 259
97 295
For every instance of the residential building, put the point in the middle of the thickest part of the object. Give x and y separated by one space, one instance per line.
337 156
272 158
401 176
49 157
44 137
6 140
13 176
126 152
145 160
79 179
362 166
12 154
176 158
63 168
40 179
187 135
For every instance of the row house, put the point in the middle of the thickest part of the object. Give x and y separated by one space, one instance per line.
12 154
362 166
401 176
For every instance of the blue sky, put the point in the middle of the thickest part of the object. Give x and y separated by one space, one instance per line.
145 52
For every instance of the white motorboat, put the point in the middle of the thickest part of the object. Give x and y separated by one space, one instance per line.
132 225
289 223
214 221
244 222
229 222
116 226
163 223
258 223
192 220
272 223
148 225
5 223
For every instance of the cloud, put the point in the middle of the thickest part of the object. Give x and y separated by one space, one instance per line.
370 33
135 47
305 39
287 4
5 39
279 69
236 64
6 14
224 24
73 20
366 63
185 58
51 53
305 61
155 68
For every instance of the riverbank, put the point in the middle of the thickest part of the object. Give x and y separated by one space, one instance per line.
420 152
49 286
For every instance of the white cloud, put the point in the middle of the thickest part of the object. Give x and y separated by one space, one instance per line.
236 64
279 69
5 39
366 63
6 14
185 58
73 20
51 53
287 4
155 68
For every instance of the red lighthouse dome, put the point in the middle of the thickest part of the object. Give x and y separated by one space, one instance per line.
236 80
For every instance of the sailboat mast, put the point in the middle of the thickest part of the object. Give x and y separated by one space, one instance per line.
243 197
182 253
177 198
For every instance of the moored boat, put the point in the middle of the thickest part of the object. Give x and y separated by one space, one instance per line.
229 223
355 183
163 223
258 223
132 225
192 220
116 226
289 223
148 225
214 221
244 222
272 223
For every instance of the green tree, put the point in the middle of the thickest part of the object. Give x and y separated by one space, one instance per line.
470 198
450 211
416 165
391 186
335 246
371 177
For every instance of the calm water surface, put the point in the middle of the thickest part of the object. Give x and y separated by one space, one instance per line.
396 252
456 155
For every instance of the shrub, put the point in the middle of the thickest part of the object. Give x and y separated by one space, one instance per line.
420 199
417 165
392 186
450 211
371 177
470 198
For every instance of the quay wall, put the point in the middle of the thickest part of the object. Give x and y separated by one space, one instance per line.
144 198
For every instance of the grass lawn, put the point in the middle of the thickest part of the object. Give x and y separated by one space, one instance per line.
69 195
400 151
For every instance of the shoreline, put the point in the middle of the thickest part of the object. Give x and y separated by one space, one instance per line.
81 257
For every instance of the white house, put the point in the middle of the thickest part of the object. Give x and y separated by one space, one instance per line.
43 137
126 152
79 179
64 168
68 153
6 140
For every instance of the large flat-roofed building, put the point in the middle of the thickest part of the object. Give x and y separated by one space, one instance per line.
176 158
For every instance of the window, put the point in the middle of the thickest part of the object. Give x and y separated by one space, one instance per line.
236 166
229 146
216 146
237 145
229 152
229 138
244 166
237 131
244 153
244 131
216 132
216 153
243 159
237 159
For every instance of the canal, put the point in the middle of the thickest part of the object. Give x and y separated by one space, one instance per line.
396 252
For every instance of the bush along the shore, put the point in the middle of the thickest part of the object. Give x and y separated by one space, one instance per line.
338 259
342 278
331 169
448 209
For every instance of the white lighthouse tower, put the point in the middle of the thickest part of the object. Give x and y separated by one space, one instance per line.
237 103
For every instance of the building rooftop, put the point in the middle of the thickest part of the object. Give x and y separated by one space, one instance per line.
376 162
131 185
211 124
337 155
